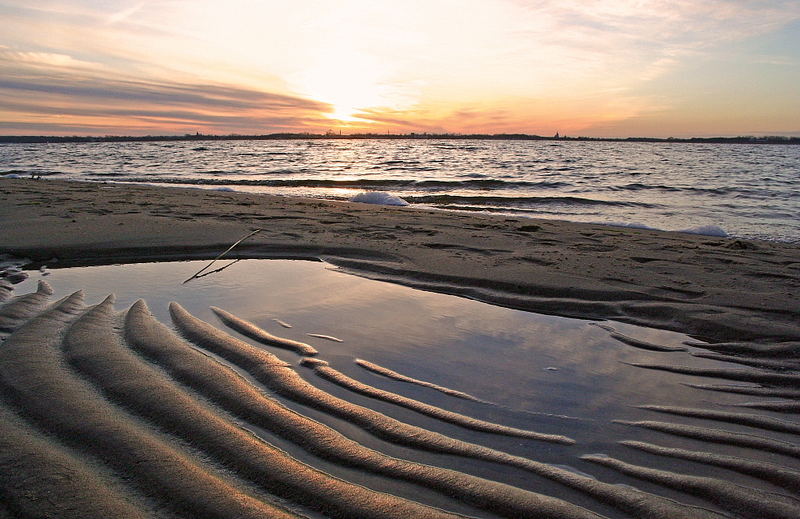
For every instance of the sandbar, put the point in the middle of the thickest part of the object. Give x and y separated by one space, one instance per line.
715 289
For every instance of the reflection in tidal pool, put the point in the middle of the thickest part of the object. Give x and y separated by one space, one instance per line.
563 378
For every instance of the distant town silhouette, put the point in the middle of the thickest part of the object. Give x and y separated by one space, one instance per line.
773 139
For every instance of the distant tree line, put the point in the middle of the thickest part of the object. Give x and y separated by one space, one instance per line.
393 136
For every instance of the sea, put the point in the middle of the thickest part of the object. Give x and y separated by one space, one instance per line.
749 191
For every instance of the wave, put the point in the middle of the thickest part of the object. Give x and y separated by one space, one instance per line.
106 174
19 173
721 191
353 183
492 209
437 199
522 200
400 163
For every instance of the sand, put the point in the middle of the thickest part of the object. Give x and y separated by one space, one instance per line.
716 289
117 415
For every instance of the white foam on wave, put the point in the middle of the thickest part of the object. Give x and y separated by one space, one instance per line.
706 230
378 198
632 225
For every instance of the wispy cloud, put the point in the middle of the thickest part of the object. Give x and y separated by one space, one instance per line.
125 13
44 59
93 89
94 101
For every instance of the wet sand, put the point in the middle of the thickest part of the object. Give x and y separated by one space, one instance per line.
716 289
116 413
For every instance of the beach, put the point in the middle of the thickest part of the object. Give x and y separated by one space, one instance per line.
589 386
716 289
381 260
746 191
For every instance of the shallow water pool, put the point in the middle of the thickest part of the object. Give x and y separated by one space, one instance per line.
549 374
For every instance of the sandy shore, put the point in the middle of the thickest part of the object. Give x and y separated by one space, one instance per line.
716 289
109 413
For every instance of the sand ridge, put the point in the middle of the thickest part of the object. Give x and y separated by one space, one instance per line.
386 372
287 383
123 401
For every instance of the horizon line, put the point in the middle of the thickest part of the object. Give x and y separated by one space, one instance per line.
745 139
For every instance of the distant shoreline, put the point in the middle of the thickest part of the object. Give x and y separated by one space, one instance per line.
34 139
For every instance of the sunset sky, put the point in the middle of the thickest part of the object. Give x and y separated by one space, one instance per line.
589 67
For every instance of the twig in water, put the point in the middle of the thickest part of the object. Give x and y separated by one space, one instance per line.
197 274
204 274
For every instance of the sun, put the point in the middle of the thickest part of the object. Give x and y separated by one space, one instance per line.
349 82
345 114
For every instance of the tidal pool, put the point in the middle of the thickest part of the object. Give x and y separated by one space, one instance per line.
549 374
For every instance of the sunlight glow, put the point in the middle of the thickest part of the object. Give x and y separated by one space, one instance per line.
348 82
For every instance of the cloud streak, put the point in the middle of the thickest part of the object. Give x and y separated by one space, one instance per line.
36 98
79 89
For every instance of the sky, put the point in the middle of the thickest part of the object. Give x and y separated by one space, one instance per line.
601 68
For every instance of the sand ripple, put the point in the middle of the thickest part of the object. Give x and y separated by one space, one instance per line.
278 377
232 392
254 332
781 476
106 414
386 372
24 307
467 422
745 502
33 378
638 343
66 485
6 289
708 434
130 381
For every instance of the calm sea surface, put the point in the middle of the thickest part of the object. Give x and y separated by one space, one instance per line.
750 191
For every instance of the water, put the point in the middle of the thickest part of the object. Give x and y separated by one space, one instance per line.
546 373
750 191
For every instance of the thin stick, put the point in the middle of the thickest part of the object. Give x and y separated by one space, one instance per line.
204 274
224 253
